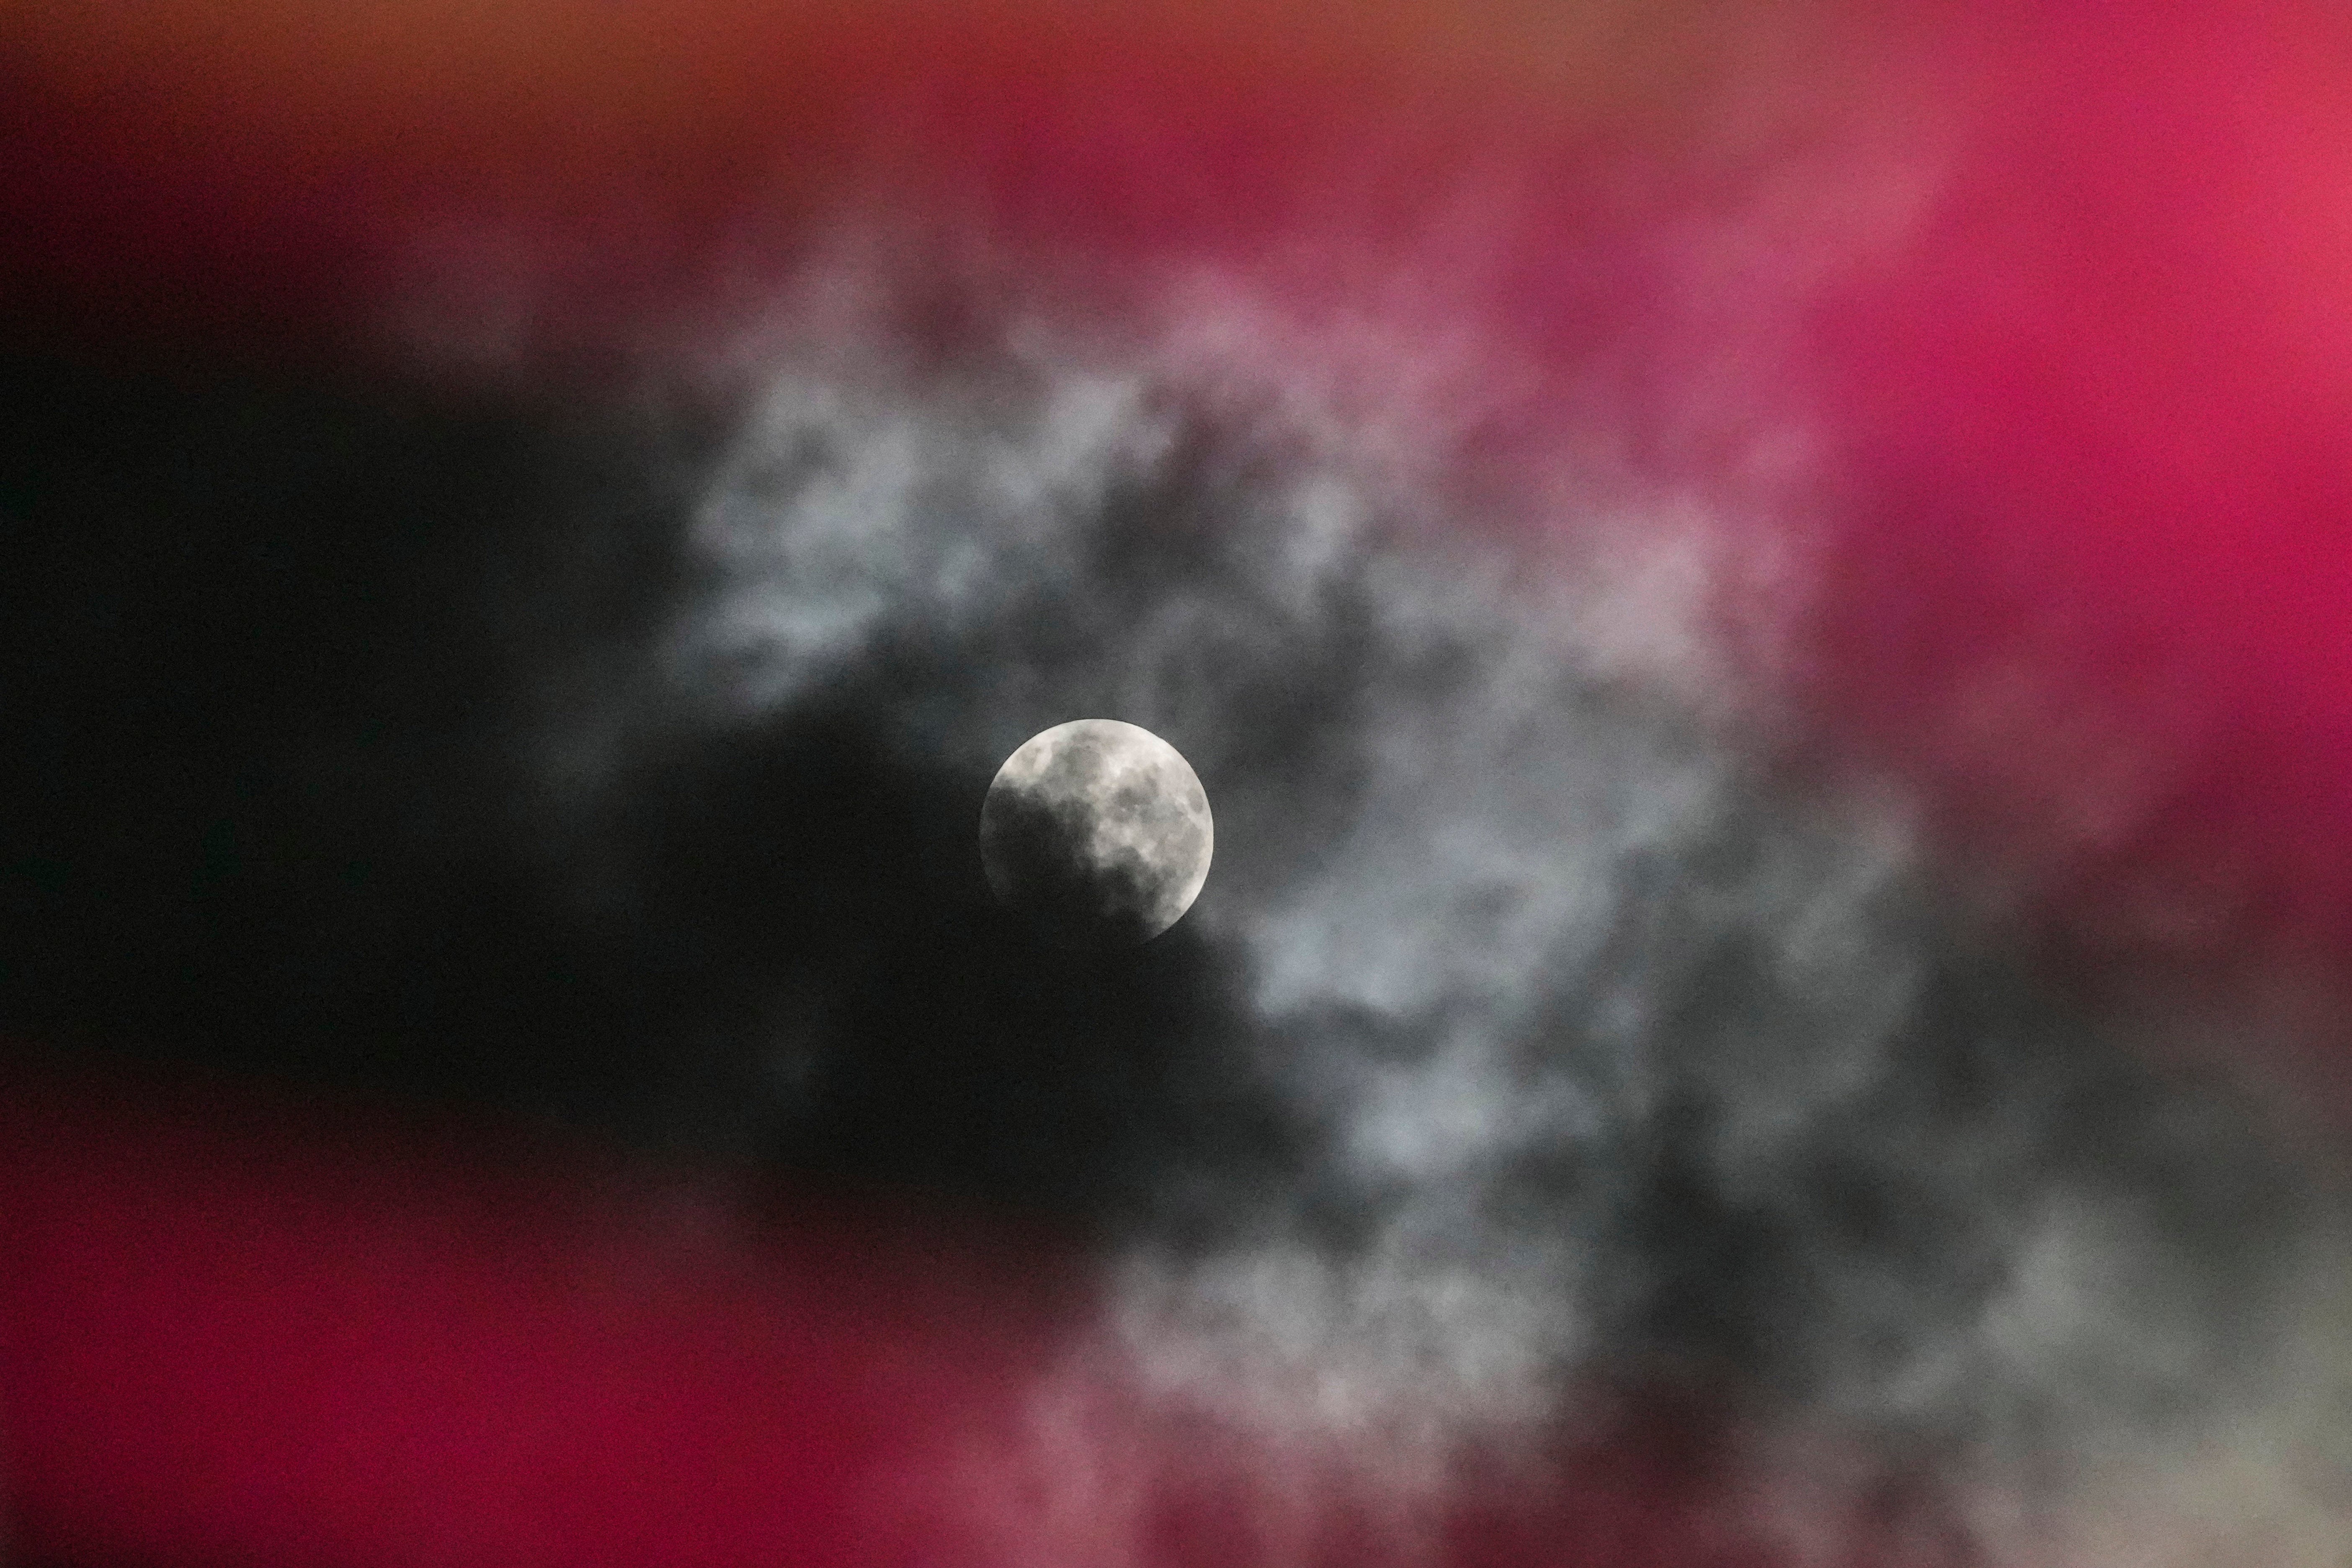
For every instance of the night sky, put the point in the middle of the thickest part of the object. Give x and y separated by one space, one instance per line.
1760 594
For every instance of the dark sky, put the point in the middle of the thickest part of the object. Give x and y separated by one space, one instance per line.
300 638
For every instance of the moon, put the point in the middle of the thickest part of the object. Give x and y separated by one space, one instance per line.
1097 834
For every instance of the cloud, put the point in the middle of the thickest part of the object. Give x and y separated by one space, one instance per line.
1580 1044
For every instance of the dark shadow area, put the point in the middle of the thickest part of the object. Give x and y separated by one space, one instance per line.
271 657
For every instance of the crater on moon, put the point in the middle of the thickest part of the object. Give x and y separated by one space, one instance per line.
1097 833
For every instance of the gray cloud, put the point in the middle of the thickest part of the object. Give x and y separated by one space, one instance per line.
1616 1056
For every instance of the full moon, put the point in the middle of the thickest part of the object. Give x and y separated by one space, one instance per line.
1097 833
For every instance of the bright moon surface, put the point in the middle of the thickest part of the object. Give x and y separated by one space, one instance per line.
1097 829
